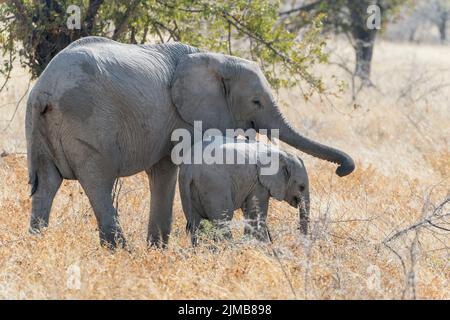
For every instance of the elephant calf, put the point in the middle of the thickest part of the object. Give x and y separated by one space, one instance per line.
214 191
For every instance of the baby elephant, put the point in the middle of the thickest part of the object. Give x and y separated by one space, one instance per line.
214 191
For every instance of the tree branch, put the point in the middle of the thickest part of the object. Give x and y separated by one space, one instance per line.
8 75
17 106
21 12
128 14
229 39
426 221
172 32
171 6
92 10
305 7
240 27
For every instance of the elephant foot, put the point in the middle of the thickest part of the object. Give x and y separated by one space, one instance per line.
156 241
259 233
304 228
113 238
37 225
262 236
223 235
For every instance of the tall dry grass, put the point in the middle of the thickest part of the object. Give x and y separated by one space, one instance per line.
398 132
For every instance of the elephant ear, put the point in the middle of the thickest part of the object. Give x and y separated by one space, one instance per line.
276 183
200 89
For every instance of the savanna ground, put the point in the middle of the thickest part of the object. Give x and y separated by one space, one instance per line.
398 132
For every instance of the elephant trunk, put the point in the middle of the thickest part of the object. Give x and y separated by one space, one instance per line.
304 213
295 139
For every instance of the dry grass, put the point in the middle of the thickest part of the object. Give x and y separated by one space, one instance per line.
399 135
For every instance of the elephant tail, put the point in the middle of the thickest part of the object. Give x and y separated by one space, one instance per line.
32 157
37 145
185 181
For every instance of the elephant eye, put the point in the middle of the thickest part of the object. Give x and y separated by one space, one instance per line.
257 103
302 188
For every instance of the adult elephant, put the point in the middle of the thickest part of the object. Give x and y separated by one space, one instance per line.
103 110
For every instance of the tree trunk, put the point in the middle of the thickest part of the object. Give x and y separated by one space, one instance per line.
364 39
364 52
48 35
412 34
50 39
443 27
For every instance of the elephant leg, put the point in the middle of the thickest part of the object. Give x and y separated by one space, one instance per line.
250 224
255 213
224 231
98 184
163 179
193 226
220 211
49 181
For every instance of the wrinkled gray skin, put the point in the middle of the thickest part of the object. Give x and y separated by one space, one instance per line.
102 110
215 191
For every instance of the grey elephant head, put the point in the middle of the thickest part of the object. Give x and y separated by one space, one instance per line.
290 184
229 92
